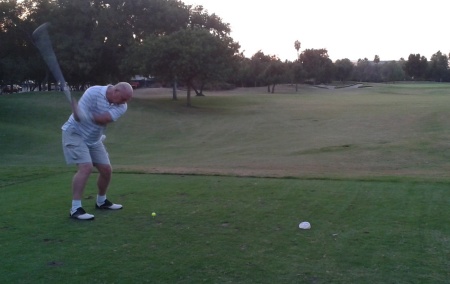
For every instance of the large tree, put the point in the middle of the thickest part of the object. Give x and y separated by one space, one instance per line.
241 75
14 44
200 19
275 73
190 55
438 67
416 66
392 71
363 70
344 68
296 72
93 37
259 62
317 65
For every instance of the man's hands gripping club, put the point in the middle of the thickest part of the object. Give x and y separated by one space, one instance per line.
79 114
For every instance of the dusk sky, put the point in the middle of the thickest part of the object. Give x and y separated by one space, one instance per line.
349 29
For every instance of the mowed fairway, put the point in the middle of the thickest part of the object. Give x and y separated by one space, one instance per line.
230 179
387 130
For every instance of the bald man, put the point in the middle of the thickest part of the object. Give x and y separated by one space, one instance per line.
82 141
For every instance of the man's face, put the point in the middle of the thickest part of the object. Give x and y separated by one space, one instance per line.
120 96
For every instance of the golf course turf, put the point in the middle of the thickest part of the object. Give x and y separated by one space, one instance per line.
230 179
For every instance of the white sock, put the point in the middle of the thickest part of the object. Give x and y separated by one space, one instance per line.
75 205
101 199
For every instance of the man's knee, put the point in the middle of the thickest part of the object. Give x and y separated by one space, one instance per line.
104 169
85 169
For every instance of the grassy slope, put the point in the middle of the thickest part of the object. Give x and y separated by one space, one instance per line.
389 130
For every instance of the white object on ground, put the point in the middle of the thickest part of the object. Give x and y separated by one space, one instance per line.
304 225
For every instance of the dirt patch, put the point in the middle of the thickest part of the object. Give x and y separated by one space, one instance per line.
309 172
332 87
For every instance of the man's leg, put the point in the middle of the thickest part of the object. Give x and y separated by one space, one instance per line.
77 152
80 179
78 185
104 178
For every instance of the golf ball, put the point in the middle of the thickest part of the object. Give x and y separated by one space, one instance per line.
304 225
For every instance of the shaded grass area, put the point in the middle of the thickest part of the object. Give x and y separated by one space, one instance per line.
30 128
227 229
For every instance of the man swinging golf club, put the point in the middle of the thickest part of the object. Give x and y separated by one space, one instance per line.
82 141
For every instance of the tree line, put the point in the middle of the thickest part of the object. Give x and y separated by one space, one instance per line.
103 41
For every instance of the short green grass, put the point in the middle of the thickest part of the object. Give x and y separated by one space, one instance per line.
230 180
227 230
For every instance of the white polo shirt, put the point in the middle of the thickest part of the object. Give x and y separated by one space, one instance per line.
94 101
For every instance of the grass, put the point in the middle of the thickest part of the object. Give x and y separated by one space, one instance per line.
230 180
387 130
227 229
232 132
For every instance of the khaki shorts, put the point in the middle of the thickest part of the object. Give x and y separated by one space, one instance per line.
76 151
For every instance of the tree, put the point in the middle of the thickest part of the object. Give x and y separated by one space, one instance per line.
274 74
317 65
375 74
344 69
362 70
258 64
297 46
200 19
79 44
123 23
194 18
297 73
438 67
241 75
188 55
392 71
376 59
14 44
92 39
416 66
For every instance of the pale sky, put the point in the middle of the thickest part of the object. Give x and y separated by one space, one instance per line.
350 29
